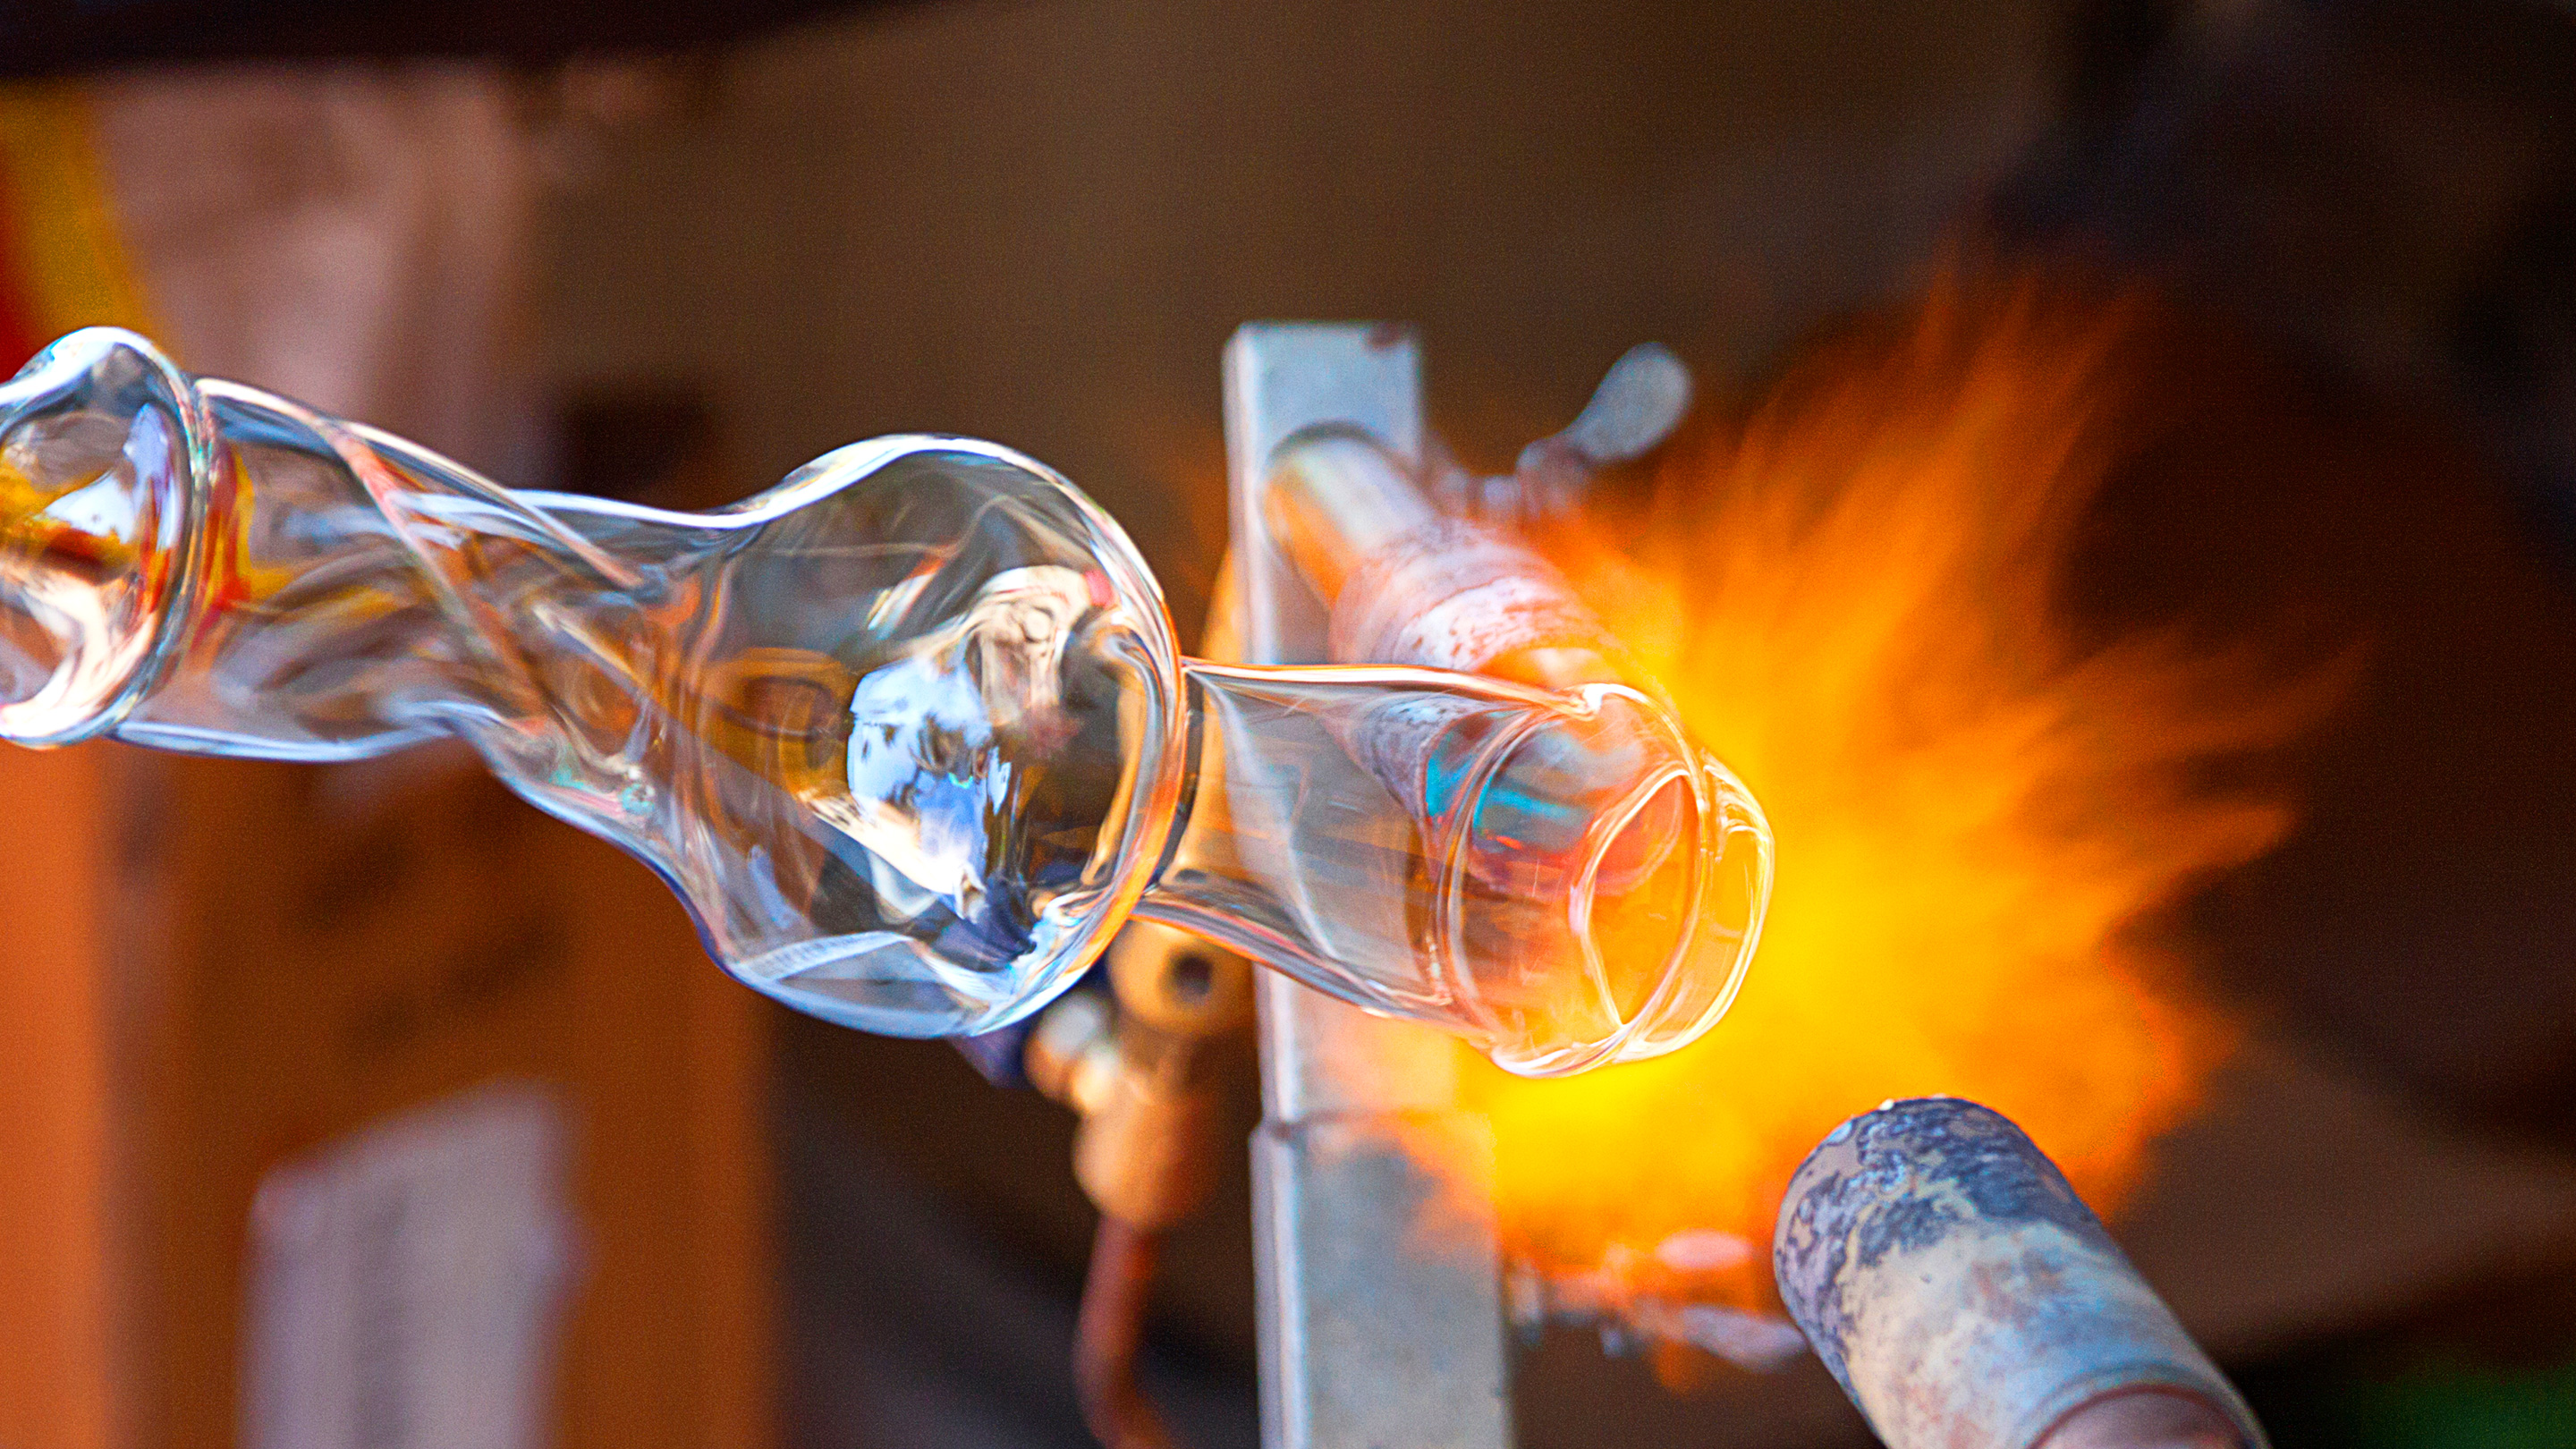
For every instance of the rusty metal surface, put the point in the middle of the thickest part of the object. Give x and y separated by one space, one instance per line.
1457 596
1961 1292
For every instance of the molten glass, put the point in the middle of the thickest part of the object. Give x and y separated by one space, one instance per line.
909 733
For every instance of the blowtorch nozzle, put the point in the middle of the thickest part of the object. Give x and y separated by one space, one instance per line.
1966 1298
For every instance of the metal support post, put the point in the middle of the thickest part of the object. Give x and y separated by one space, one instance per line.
1379 1284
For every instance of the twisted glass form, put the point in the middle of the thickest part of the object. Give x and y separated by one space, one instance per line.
909 733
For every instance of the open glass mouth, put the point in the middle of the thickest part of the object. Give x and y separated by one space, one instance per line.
1539 872
101 487
909 733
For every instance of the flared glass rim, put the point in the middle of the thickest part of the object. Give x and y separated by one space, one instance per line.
180 509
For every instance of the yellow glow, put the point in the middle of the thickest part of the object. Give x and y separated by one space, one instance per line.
1854 600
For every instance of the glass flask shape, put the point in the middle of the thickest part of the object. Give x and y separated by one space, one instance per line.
909 733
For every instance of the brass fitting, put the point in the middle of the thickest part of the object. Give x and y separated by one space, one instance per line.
1145 1078
1178 984
1072 1057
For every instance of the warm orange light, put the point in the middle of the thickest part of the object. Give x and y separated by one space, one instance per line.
1855 600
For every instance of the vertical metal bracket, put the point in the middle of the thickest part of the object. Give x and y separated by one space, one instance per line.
1379 1285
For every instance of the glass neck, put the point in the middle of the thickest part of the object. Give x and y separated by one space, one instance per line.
1559 877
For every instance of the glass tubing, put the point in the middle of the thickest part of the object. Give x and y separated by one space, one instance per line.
910 733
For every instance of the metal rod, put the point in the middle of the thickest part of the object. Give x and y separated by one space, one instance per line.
1370 1334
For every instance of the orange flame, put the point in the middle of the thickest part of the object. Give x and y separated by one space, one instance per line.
1855 601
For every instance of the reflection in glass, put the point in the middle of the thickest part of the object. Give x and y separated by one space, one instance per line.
909 733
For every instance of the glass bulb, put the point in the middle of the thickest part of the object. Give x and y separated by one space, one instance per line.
909 733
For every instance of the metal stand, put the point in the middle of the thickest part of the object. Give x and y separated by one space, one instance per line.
1381 1310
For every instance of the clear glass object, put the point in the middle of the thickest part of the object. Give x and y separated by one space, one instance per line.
909 733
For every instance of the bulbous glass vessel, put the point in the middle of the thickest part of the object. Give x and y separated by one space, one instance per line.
909 733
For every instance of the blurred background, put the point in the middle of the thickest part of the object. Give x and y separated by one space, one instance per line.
362 1105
